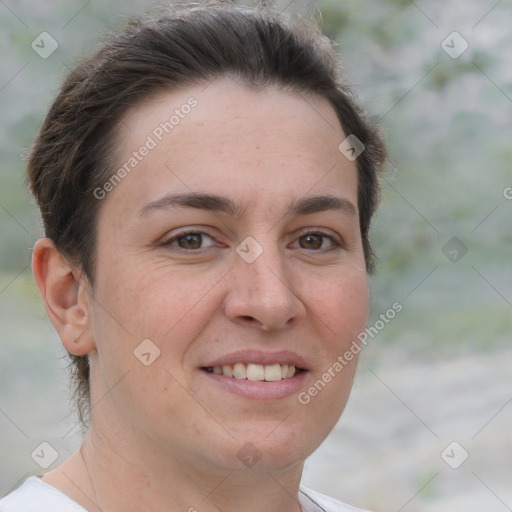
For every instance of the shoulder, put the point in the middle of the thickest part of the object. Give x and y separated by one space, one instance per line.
34 495
317 502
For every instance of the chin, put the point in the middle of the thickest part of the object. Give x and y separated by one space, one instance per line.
276 450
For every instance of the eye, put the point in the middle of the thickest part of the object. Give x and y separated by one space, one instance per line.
192 240
317 241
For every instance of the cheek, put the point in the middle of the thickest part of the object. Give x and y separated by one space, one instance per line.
168 306
342 307
343 304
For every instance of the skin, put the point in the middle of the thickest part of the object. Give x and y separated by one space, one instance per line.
163 437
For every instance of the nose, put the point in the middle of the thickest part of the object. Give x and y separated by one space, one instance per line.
262 294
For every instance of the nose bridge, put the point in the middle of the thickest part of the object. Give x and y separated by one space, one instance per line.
268 274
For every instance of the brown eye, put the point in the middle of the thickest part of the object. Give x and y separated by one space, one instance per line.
316 241
311 241
190 241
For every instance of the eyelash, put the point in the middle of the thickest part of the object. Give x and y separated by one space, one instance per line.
335 244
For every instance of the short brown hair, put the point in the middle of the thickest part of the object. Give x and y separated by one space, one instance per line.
180 46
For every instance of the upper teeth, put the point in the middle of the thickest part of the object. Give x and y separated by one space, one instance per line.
271 372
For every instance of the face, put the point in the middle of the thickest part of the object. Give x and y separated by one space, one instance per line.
230 245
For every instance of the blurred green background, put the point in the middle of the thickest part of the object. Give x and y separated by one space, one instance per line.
448 122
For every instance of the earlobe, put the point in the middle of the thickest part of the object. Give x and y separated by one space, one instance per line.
64 295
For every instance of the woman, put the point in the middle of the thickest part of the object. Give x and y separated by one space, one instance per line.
206 184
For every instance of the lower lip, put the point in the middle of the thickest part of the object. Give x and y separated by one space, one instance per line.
261 390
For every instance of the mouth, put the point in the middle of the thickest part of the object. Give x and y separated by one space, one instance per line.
258 375
255 372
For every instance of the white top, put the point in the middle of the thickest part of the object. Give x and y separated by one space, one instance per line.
34 495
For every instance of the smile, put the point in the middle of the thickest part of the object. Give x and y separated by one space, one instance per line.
255 372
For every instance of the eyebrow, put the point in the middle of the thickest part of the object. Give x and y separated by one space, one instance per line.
221 204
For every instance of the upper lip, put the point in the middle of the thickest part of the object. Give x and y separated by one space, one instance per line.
259 357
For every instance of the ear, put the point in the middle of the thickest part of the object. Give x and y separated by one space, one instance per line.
66 296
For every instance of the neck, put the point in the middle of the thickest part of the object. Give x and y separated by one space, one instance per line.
117 472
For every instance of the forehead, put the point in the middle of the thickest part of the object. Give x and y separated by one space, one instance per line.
226 136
